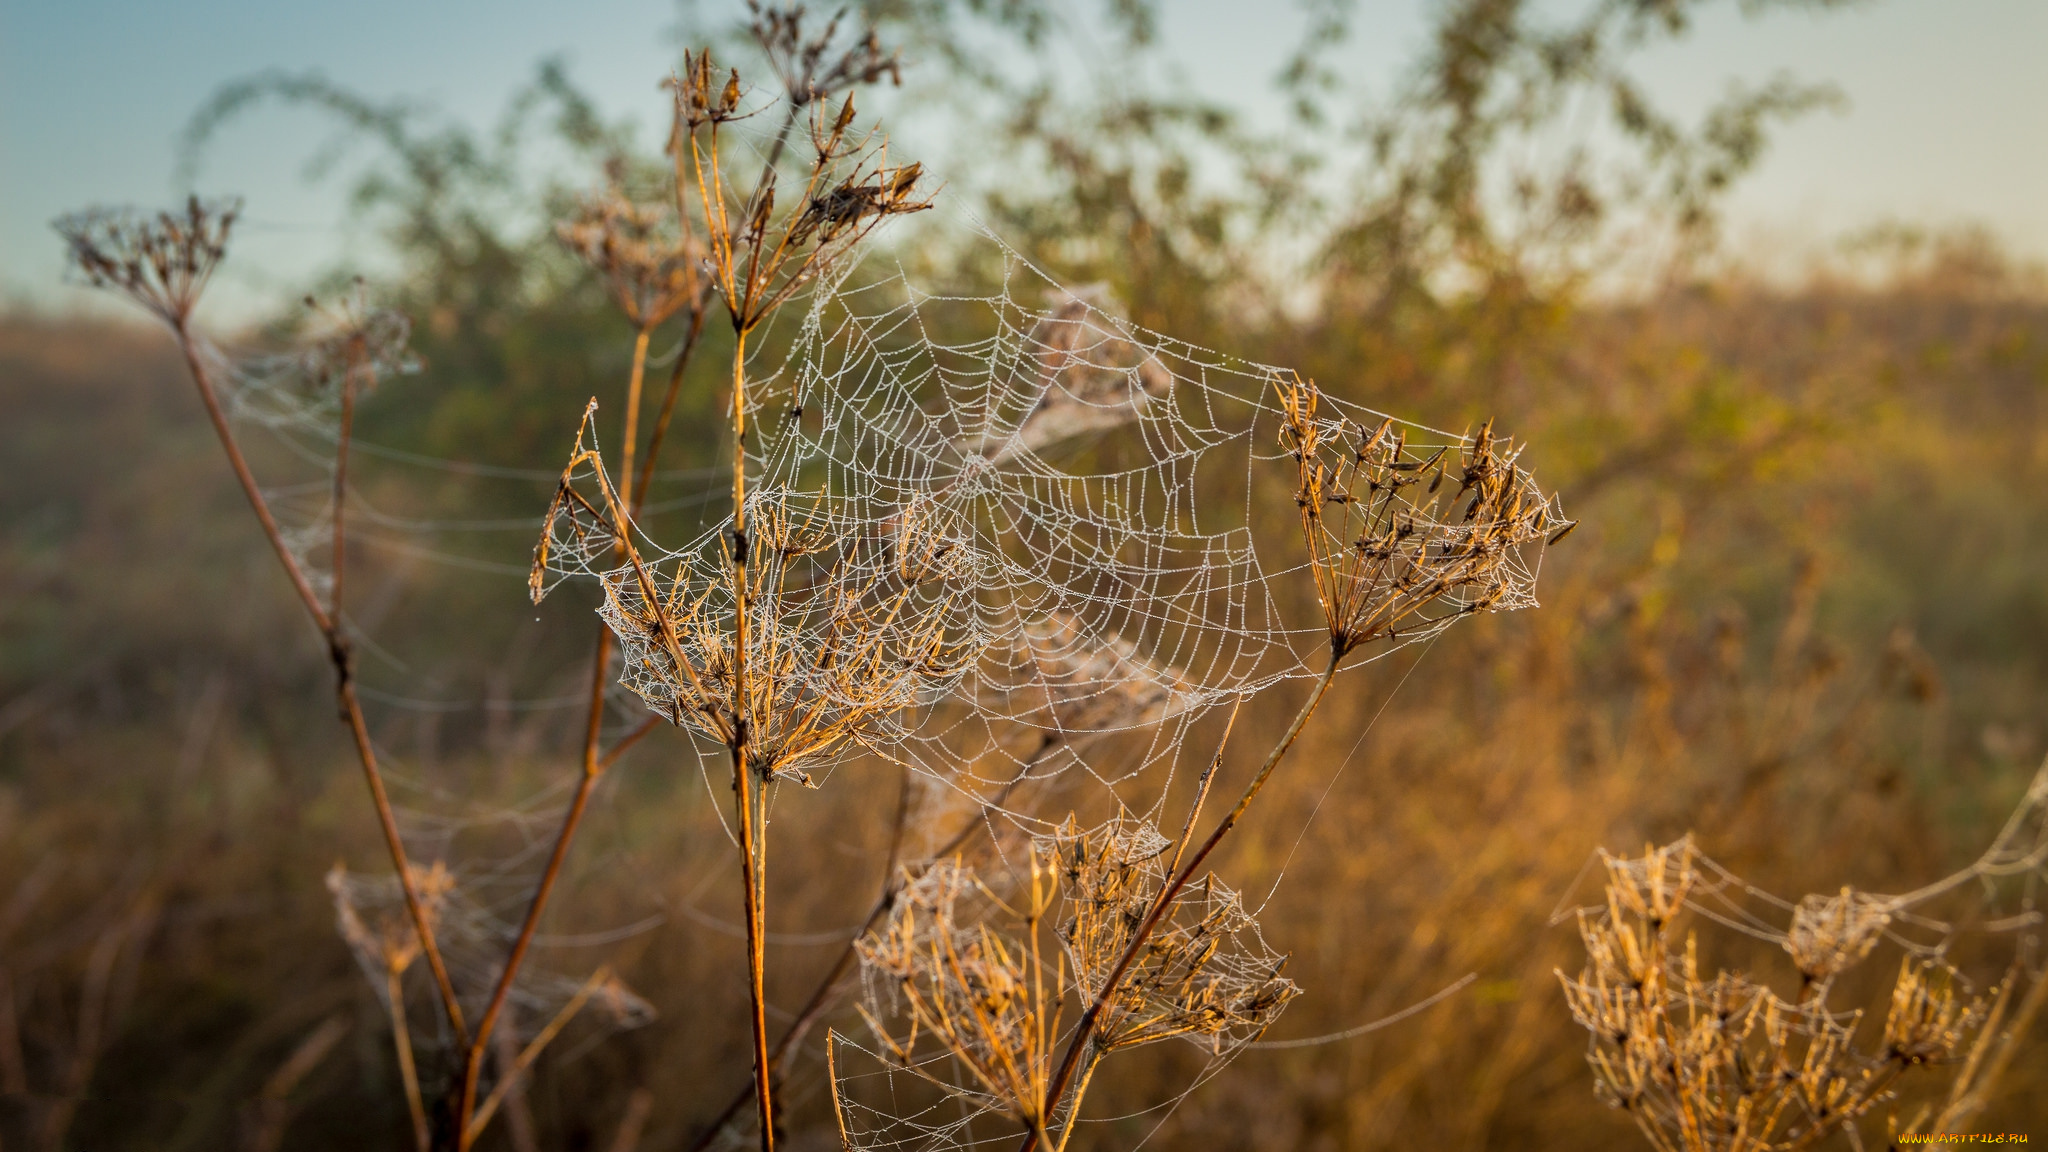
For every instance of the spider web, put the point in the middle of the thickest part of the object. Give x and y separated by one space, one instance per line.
1065 503
1089 488
1088 518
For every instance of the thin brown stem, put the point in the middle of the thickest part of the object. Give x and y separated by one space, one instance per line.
530 1053
668 407
338 552
749 799
387 822
633 384
1074 1109
329 625
822 996
1084 1032
832 1081
750 881
594 764
401 1041
204 380
516 955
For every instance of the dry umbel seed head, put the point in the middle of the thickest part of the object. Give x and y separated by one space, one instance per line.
1927 1024
849 627
387 943
1204 973
702 96
357 340
652 266
760 255
937 975
1722 1063
162 261
806 64
1402 542
1830 934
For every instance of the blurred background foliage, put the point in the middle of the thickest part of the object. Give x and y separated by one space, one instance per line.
1804 616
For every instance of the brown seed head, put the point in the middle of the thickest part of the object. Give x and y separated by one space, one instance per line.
161 261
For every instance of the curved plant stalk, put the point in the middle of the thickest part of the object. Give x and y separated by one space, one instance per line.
328 620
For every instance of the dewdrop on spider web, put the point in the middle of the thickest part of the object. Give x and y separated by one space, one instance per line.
1071 681
1090 379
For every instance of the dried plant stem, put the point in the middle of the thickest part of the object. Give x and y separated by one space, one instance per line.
832 1081
823 996
593 769
401 1041
531 1052
344 670
1084 1032
633 386
203 379
338 550
595 759
1080 1090
668 407
751 847
750 796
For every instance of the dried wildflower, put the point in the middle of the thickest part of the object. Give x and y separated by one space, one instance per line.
1403 542
161 261
1202 973
1832 933
1723 1063
1927 1024
761 257
990 1001
651 266
388 943
846 629
372 344
801 61
701 96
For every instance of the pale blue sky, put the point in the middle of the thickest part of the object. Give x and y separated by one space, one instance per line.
1947 123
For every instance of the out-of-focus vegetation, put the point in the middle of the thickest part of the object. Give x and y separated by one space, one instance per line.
1804 616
